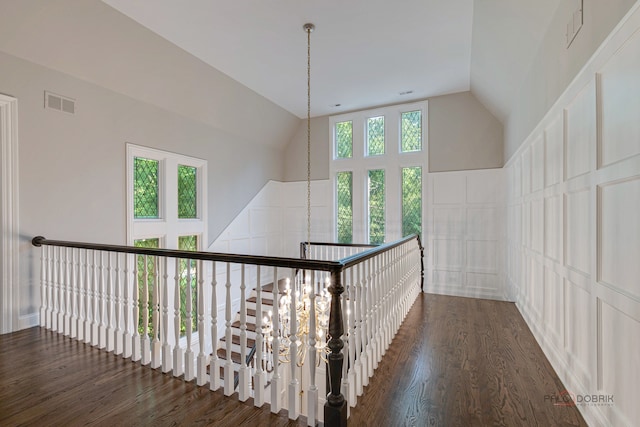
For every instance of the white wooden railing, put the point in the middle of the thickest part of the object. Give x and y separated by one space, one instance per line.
97 294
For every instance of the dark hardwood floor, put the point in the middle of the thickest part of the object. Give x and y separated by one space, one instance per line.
463 362
454 362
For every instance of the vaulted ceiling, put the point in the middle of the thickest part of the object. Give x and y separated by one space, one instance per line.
364 53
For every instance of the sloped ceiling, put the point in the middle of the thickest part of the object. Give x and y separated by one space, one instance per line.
364 52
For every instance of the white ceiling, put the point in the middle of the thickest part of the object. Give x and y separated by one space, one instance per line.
363 52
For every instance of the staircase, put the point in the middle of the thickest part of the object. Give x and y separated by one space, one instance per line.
251 304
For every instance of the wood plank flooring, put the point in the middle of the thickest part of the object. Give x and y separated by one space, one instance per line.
463 362
454 362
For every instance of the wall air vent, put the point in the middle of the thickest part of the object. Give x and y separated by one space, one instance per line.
59 102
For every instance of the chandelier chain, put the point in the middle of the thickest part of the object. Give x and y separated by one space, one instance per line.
308 29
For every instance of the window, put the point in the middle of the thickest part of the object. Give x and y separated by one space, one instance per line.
166 209
377 171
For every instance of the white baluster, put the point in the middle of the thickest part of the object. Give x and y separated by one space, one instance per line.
178 353
346 386
102 327
67 307
352 396
127 309
203 359
146 342
228 365
214 366
370 320
243 374
156 344
136 339
189 367
109 302
294 384
259 379
275 349
375 262
312 395
43 286
55 288
80 299
118 308
365 323
167 362
88 298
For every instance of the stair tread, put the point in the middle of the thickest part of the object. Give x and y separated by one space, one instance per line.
235 339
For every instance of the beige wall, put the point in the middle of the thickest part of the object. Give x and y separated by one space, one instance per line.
463 134
295 155
555 65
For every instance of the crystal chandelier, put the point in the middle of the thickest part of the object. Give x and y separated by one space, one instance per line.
312 314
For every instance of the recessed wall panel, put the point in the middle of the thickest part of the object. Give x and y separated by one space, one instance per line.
482 255
484 186
554 138
447 253
578 242
526 172
620 235
581 131
537 164
554 305
447 278
553 227
448 221
620 95
537 224
482 222
517 177
482 281
536 286
578 326
620 360
448 188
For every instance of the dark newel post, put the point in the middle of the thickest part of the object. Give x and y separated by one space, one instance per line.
303 250
335 408
421 264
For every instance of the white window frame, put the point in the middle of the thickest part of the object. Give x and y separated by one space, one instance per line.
168 227
392 161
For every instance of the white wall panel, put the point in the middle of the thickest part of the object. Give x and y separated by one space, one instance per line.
620 364
526 171
578 243
554 306
449 188
447 253
481 187
517 176
579 330
554 142
537 164
448 221
620 93
537 225
467 218
447 278
482 255
553 227
581 132
482 222
620 235
536 287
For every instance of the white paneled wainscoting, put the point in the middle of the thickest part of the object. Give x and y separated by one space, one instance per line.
573 232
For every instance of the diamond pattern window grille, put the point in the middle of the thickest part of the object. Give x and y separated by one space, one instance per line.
412 201
375 136
151 277
376 206
344 140
188 243
187 192
345 206
411 131
145 191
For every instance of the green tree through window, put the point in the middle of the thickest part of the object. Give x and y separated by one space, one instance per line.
145 190
412 201
187 192
151 274
376 206
188 243
345 207
344 140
